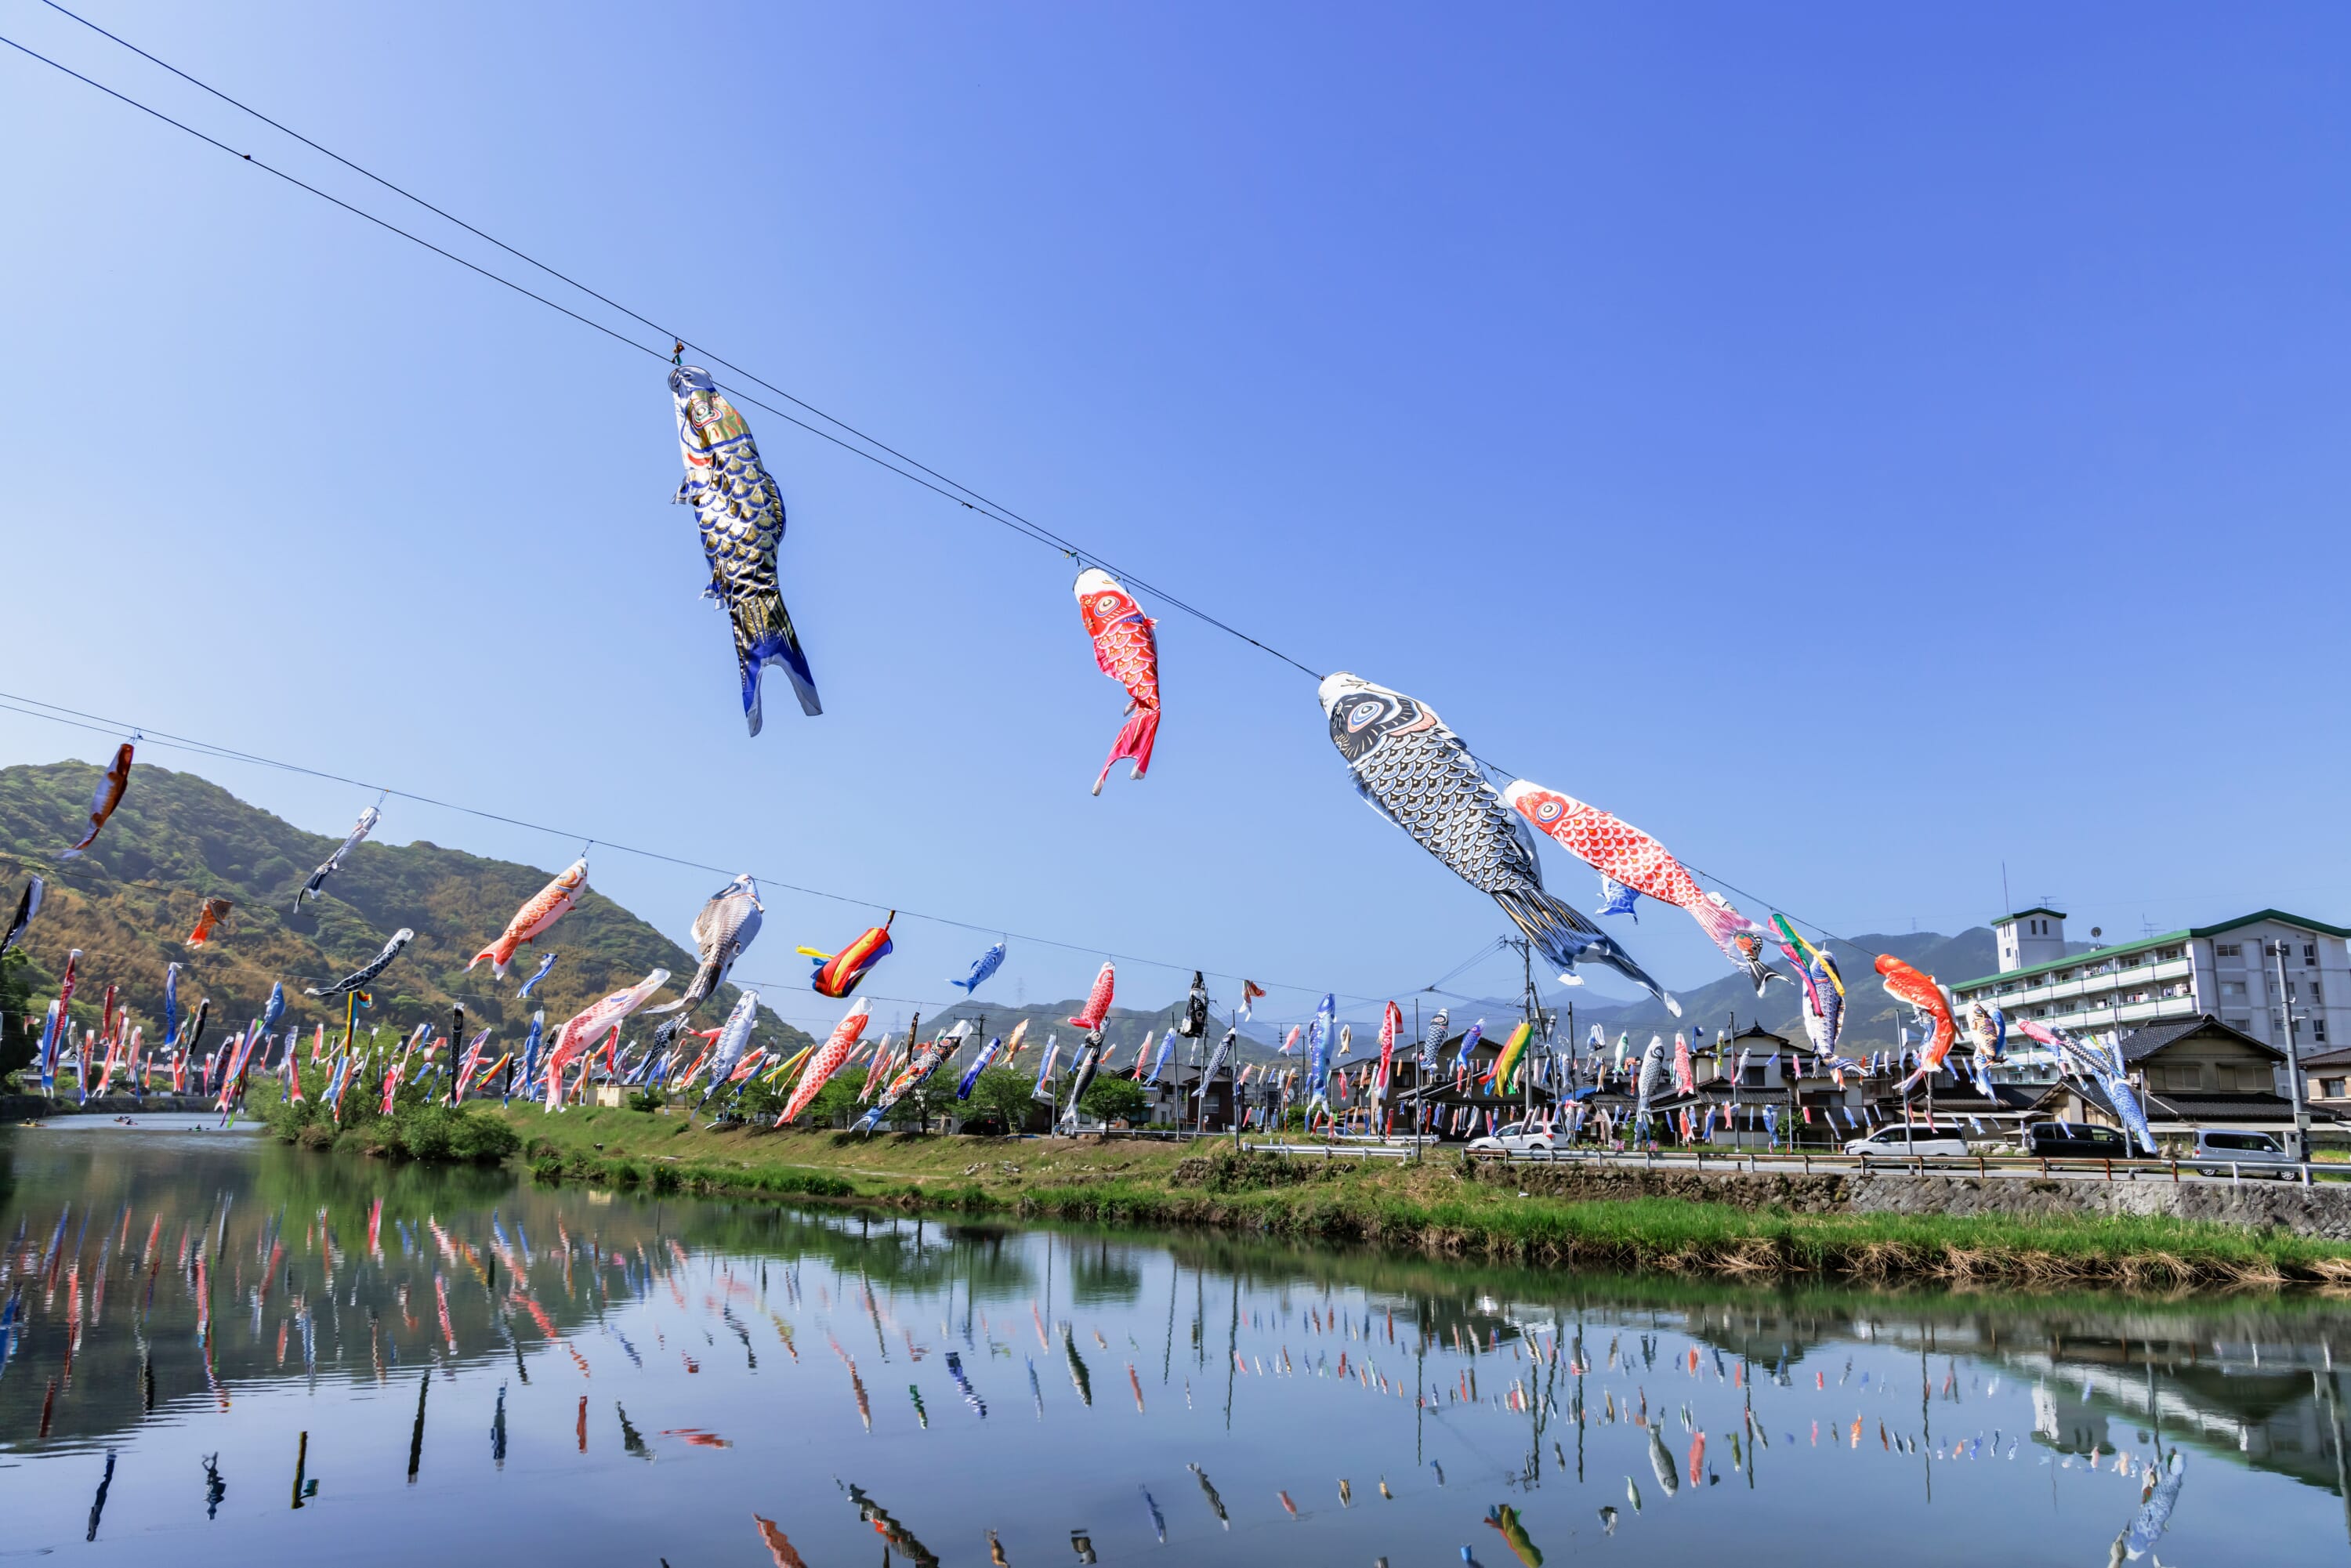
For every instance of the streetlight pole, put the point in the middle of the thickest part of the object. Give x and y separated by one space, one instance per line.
2292 1058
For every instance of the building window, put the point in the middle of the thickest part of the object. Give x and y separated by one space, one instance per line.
2330 1089
2318 1031
2318 994
2235 950
2310 955
2232 988
2242 1025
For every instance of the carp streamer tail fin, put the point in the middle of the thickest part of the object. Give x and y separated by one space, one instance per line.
1564 937
1724 924
1136 738
764 636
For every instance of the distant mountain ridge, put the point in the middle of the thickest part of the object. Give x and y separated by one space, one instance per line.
1729 1001
129 903
1872 1018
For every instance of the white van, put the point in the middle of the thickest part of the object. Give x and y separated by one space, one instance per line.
1905 1140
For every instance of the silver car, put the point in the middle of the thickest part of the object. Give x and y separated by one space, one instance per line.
2251 1153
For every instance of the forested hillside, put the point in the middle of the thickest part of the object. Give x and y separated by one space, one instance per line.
131 902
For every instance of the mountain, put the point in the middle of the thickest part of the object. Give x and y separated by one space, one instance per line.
1122 1027
1871 1016
129 902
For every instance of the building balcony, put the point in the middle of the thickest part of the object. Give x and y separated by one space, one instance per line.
2041 993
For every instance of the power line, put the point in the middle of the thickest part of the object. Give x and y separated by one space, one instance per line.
101 724
914 471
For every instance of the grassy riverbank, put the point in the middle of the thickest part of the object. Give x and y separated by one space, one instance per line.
1434 1206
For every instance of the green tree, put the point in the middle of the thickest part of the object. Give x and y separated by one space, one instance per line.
999 1100
1117 1100
16 1041
760 1100
836 1100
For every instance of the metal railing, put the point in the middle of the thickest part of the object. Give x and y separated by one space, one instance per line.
1804 1162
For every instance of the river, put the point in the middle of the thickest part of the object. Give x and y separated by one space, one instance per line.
228 1350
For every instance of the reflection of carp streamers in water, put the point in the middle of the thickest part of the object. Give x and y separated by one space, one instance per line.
1136 1384
633 1442
1215 1501
1663 1462
922 1417
98 1504
1158 1520
954 1370
777 1546
857 1385
499 1430
1503 1518
2154 1514
698 1438
1078 1378
1035 1391
890 1530
416 1434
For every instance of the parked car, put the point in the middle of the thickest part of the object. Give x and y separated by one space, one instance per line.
2074 1141
1513 1138
2250 1153
1904 1140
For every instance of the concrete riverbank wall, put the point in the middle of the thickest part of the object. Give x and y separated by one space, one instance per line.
2322 1212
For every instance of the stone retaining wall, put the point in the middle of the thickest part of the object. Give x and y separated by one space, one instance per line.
2322 1212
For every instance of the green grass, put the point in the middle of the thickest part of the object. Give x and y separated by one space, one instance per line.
1436 1207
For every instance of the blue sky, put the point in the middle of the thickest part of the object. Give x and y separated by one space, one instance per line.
1861 446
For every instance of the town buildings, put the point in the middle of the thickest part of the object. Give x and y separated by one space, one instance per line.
2229 972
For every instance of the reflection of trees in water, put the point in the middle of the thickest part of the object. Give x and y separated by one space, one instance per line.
1103 1274
906 1255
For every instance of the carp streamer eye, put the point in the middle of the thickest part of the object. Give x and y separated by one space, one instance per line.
1547 812
1105 603
1363 714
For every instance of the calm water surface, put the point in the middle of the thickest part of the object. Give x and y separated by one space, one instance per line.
225 1350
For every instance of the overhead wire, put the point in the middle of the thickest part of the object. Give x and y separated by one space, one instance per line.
927 478
880 453
101 724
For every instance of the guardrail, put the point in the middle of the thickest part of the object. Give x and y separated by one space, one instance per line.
1806 1162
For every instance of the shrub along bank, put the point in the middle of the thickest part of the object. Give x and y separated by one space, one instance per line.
1441 1205
416 1128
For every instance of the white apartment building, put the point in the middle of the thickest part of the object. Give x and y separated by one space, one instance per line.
2225 970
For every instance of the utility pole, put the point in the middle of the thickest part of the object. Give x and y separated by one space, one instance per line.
2292 1058
1534 1016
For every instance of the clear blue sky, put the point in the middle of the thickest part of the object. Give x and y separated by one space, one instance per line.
1859 445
